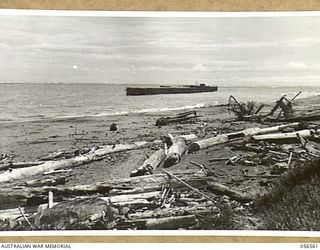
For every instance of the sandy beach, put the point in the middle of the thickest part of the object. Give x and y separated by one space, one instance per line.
30 141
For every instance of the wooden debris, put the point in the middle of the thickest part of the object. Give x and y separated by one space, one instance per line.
219 159
11 165
46 182
150 164
77 214
60 171
50 199
25 218
224 138
251 110
295 118
68 163
175 152
181 117
224 190
189 186
308 146
168 223
306 133
132 185
244 111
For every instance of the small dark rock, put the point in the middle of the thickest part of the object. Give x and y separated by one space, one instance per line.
113 127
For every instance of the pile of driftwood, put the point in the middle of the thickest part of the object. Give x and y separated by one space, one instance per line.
168 200
153 197
281 111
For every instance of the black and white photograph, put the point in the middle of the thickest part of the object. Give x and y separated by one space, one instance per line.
159 121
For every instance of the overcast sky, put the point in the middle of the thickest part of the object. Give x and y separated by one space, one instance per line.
251 50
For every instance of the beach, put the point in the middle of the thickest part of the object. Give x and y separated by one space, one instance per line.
32 140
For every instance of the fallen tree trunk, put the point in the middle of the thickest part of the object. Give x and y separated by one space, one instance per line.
67 163
224 138
307 133
175 152
6 166
150 164
206 143
224 190
297 118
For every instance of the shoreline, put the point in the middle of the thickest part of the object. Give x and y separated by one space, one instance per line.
30 141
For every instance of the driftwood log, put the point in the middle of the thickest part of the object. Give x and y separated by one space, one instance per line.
223 138
11 165
296 118
306 133
67 163
224 190
46 182
175 152
150 164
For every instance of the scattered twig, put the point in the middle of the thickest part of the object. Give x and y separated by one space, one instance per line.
25 218
289 161
202 167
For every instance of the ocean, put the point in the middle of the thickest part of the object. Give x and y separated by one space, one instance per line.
35 101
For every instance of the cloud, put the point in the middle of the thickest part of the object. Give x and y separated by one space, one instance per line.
199 67
297 65
302 42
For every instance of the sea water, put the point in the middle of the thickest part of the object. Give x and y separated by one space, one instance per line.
34 101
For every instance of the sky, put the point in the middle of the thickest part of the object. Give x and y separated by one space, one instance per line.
160 50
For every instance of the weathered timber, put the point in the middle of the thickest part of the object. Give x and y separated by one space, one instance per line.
206 143
224 138
188 185
189 137
167 223
309 146
11 165
175 152
185 116
68 163
135 185
76 214
204 208
46 182
296 118
94 213
224 190
150 164
59 171
306 133
130 200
